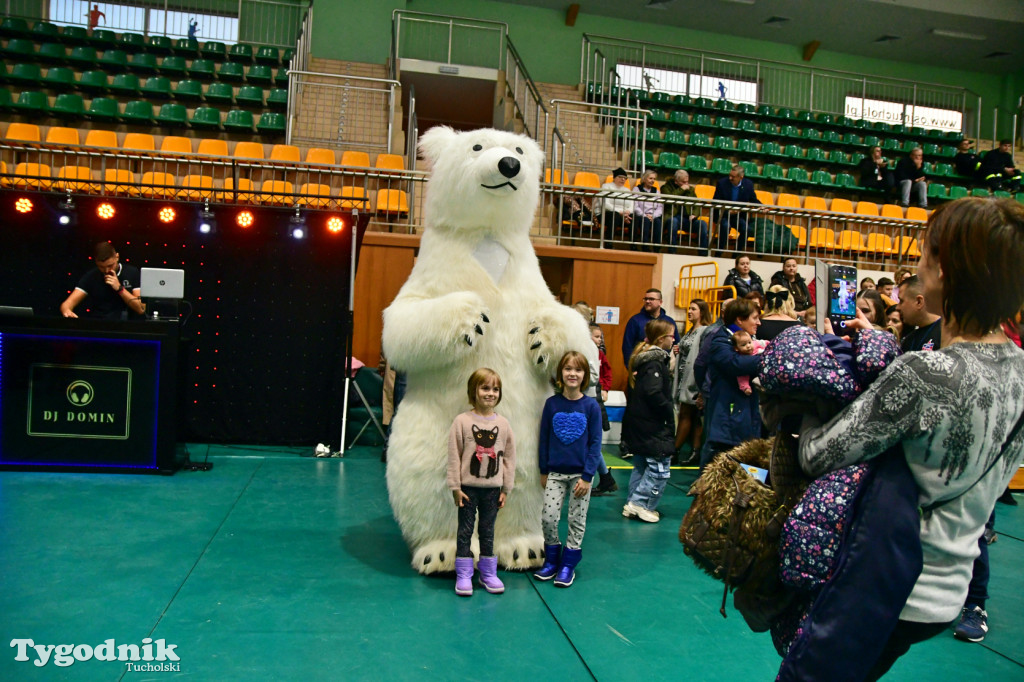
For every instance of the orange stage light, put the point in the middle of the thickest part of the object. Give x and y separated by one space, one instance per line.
167 214
105 211
244 219
335 224
23 205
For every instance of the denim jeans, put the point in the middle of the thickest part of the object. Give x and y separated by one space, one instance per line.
650 231
740 226
919 188
486 501
648 481
690 226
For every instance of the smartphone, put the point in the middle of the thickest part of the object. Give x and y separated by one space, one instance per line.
840 303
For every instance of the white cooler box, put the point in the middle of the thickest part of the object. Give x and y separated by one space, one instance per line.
615 406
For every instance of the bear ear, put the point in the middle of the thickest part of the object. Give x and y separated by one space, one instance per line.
434 141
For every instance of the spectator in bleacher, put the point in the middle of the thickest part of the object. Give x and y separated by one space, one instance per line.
966 162
866 283
616 210
885 288
647 214
911 179
894 321
790 278
744 279
679 215
634 331
997 168
922 330
779 313
871 304
735 188
874 171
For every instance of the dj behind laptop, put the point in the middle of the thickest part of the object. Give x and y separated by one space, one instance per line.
162 290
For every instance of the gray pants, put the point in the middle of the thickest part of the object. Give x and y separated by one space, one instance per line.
907 187
554 495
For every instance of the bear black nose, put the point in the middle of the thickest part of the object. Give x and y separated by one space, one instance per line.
509 166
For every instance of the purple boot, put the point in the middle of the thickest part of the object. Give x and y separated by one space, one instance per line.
489 575
464 576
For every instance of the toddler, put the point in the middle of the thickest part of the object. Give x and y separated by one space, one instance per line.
745 344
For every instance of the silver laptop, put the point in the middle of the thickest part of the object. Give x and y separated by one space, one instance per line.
163 283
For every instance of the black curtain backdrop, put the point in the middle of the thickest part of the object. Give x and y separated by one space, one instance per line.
263 350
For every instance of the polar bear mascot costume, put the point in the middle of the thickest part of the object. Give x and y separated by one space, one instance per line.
475 298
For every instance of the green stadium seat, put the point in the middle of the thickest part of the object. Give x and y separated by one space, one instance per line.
1000 194
60 78
727 123
26 74
948 151
765 110
103 109
825 119
643 158
221 93
785 113
138 112
114 61
747 146
678 100
672 136
6 100
890 144
882 127
750 169
804 116
252 96
83 57
1019 197
32 103
286 56
156 87
747 109
725 105
816 155
837 157
860 124
173 66
769 128
103 39
240 52
202 69
44 31
680 118
277 98
773 171
944 170
747 126
846 180
870 141
699 140
214 50
811 134
831 137
231 72
670 161
850 139
69 106
651 134
160 45
142 63
799 175
173 115
792 151
132 42
281 78
13 27
271 123
704 103
125 84
980 192
186 46
206 118
822 178
936 190
957 192
908 146
789 131
724 143
772 148
52 53
658 116
855 158
269 56
19 48
188 91
702 121
721 166
238 121
696 163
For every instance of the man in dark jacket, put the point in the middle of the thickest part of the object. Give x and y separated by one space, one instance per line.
910 179
874 171
732 416
997 168
966 162
679 218
735 188
634 332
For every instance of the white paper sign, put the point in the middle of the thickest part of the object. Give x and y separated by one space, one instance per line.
606 315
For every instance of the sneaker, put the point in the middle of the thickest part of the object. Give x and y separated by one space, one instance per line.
646 514
629 511
990 536
972 626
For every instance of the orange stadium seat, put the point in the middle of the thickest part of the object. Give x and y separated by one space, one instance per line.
41 176
907 246
174 144
76 179
320 155
249 150
822 238
800 232
246 190
841 206
23 132
392 202
315 195
120 181
61 135
142 142
354 197
196 187
787 200
277 193
892 211
705 191
101 138
585 179
762 196
866 208
358 159
389 162
286 153
213 147
157 184
915 213
878 243
556 174
813 203
850 240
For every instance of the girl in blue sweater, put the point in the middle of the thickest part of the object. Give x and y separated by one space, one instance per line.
569 454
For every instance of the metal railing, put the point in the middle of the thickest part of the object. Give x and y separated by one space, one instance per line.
622 133
777 84
340 111
598 218
447 39
528 104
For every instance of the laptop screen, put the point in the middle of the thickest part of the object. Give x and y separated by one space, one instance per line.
163 283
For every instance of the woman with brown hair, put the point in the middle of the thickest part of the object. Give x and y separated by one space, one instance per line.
955 411
689 428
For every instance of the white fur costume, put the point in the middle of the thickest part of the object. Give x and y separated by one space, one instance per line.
475 298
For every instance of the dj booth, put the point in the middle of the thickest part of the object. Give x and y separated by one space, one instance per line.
88 395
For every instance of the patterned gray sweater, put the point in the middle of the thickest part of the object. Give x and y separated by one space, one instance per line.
952 409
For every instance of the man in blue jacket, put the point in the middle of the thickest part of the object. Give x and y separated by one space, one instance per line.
634 332
738 189
731 417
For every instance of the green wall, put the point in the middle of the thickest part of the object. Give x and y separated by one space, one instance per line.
357 31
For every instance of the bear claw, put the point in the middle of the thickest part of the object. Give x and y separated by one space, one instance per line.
485 318
535 346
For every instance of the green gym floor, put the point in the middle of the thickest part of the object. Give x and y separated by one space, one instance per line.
275 566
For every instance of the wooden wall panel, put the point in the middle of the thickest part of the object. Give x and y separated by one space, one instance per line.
385 261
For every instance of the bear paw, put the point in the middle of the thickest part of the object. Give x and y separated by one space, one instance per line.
469 322
436 556
545 339
520 553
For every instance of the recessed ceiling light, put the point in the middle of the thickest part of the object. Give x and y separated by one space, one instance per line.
776 22
957 34
658 4
741 2
887 39
996 55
